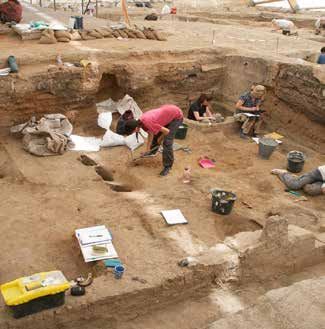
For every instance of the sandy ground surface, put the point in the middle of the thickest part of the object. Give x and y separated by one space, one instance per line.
55 195
256 36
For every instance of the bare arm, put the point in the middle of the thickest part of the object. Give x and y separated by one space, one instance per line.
149 141
208 112
164 132
239 106
199 118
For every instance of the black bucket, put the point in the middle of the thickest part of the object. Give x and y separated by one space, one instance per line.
222 201
296 161
181 131
12 63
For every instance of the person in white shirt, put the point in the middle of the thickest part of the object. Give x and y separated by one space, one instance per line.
320 25
313 182
287 27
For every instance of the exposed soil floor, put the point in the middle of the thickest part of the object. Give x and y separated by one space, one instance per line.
43 200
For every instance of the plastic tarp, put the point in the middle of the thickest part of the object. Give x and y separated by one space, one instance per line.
110 138
126 103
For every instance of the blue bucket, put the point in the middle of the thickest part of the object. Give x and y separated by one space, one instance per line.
118 271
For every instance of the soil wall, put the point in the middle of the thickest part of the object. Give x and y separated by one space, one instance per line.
295 101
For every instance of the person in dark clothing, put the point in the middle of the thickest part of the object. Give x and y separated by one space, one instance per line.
199 110
313 182
321 58
126 116
248 111
11 11
161 125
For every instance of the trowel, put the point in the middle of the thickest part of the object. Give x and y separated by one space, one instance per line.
144 156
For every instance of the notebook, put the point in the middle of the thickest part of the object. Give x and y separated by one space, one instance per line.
90 256
93 235
173 217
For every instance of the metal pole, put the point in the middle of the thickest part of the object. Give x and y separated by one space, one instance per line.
82 7
96 8
40 3
54 4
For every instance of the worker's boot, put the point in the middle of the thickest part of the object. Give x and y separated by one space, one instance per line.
165 171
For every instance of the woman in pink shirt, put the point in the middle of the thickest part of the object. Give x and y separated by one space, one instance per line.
161 125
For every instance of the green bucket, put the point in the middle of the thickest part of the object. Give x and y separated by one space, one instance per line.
181 131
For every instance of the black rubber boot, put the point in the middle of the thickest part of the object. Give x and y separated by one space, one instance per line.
165 171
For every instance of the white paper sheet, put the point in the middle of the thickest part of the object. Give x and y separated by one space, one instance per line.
250 114
89 144
257 140
93 235
173 217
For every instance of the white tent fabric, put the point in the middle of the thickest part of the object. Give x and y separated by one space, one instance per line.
301 3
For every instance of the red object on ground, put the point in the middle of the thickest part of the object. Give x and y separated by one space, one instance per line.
206 163
12 10
173 11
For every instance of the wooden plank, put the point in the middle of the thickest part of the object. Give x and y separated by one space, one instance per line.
266 1
293 4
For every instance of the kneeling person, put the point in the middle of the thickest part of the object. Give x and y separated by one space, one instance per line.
248 111
199 110
161 125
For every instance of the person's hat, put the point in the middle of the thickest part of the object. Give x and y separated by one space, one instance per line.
258 91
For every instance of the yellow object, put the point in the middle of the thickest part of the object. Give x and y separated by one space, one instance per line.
273 135
85 62
25 289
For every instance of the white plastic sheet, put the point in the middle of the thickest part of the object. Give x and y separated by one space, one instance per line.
88 144
109 139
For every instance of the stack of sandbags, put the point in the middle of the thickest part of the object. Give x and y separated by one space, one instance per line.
139 34
106 32
62 36
152 34
85 35
47 37
136 33
75 35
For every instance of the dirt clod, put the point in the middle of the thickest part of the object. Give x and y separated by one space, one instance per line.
87 160
105 173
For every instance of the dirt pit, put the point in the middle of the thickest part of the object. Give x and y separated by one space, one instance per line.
43 200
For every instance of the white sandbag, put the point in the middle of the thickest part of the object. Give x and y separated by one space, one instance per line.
105 120
128 103
132 142
112 139
108 106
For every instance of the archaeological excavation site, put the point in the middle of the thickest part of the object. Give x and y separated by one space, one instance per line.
162 164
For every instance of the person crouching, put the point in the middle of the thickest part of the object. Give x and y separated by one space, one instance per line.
248 111
161 124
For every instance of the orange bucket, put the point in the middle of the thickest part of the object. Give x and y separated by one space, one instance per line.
173 11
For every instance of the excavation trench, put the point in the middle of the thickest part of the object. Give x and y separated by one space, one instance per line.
87 193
